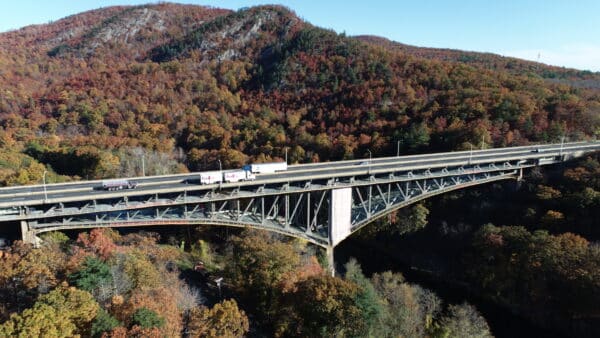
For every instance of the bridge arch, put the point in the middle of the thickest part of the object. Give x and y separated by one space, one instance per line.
311 214
321 203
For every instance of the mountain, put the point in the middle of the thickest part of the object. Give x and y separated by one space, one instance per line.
88 94
188 87
575 77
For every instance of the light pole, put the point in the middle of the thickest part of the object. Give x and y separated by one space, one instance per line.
220 172
143 165
286 155
218 281
471 153
370 157
398 149
44 180
562 143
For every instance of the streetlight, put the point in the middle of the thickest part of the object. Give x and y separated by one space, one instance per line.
220 172
218 281
44 180
471 153
370 157
143 165
286 154
562 143
398 149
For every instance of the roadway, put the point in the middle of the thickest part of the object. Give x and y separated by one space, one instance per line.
148 180
25 195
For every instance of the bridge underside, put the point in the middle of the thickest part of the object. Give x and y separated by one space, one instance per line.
322 212
318 204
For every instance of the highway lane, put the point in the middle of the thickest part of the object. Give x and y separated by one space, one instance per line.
28 191
87 184
453 154
316 172
145 181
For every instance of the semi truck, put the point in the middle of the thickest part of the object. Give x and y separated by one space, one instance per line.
118 184
231 176
238 175
211 177
265 168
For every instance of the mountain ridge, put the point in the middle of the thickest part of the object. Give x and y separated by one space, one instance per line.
492 61
202 84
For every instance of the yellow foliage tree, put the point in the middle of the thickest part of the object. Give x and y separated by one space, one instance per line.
64 312
225 319
39 321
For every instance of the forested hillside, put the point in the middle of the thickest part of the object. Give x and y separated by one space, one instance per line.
515 66
107 285
530 247
191 84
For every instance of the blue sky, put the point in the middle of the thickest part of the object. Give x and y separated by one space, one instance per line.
561 32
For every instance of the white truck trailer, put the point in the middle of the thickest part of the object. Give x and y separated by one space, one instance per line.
238 175
211 177
265 168
118 184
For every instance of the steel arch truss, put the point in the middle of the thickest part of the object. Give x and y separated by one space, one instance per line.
382 197
301 213
299 209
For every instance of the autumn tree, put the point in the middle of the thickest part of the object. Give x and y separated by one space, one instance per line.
202 252
521 266
405 220
257 262
224 319
99 241
56 239
416 137
140 270
408 309
463 321
40 321
411 219
140 161
26 272
161 301
63 312
367 299
323 306
309 267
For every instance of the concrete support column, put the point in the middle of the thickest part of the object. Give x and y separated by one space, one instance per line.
330 260
28 235
340 225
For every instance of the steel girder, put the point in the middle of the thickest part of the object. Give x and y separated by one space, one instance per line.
299 209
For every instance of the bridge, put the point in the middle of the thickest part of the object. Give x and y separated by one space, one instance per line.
323 203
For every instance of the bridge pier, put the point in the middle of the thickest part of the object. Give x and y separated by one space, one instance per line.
28 235
340 224
330 259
